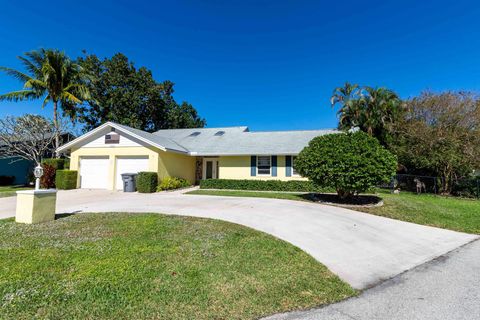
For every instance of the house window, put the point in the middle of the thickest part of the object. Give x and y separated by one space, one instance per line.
264 164
294 172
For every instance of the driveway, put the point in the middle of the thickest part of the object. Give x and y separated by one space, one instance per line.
362 249
445 288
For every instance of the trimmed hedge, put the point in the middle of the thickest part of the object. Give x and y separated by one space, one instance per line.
147 182
172 183
57 164
66 179
261 185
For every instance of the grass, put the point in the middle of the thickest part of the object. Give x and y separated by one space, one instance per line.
253 194
444 212
452 213
9 191
151 266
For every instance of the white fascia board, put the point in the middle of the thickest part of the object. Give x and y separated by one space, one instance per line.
103 126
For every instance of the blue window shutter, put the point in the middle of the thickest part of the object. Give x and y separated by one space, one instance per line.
288 166
274 166
253 166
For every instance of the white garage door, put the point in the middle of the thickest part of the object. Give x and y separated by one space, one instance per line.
129 165
94 173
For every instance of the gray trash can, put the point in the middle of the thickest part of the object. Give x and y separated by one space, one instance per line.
129 184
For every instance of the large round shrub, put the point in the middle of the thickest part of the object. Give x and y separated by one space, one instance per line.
351 162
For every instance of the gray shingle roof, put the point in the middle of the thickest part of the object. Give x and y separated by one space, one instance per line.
240 141
222 141
160 140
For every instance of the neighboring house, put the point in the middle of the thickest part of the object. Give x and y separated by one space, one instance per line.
21 169
103 154
18 168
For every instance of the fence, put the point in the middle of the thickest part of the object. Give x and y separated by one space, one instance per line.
465 187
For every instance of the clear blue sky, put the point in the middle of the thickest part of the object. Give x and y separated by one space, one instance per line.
270 65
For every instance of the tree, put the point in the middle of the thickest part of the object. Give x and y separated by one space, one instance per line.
372 110
124 94
347 97
53 77
28 137
350 163
183 116
440 135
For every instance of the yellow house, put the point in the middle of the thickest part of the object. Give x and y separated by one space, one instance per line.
103 154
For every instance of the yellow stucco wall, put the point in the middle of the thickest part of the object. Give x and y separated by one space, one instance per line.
176 165
112 153
170 164
238 167
165 163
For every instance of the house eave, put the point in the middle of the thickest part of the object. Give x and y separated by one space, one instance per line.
103 126
221 154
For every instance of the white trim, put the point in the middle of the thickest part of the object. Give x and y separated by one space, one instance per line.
264 174
214 168
291 168
103 126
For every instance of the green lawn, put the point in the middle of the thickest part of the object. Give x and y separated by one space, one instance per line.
438 211
139 266
443 212
9 191
253 194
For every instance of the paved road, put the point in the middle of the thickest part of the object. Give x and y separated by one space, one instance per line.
447 288
362 249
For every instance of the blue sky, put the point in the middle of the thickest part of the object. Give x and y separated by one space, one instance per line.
271 65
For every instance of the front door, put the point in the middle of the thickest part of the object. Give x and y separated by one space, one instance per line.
210 169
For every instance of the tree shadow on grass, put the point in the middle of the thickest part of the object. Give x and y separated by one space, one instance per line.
66 215
358 200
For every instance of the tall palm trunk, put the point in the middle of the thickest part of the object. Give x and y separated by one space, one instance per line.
57 132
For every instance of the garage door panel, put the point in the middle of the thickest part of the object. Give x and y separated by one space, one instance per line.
94 172
130 165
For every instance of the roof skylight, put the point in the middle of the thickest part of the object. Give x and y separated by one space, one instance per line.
220 133
194 134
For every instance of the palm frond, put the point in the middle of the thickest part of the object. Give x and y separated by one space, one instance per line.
79 90
16 74
20 95
67 96
36 56
33 68
46 100
35 84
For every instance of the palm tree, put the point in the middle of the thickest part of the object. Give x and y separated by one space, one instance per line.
50 76
369 109
381 107
348 97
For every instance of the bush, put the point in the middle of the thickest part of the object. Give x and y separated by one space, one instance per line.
47 181
350 163
50 166
6 180
172 183
147 182
260 185
467 187
66 179
57 164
